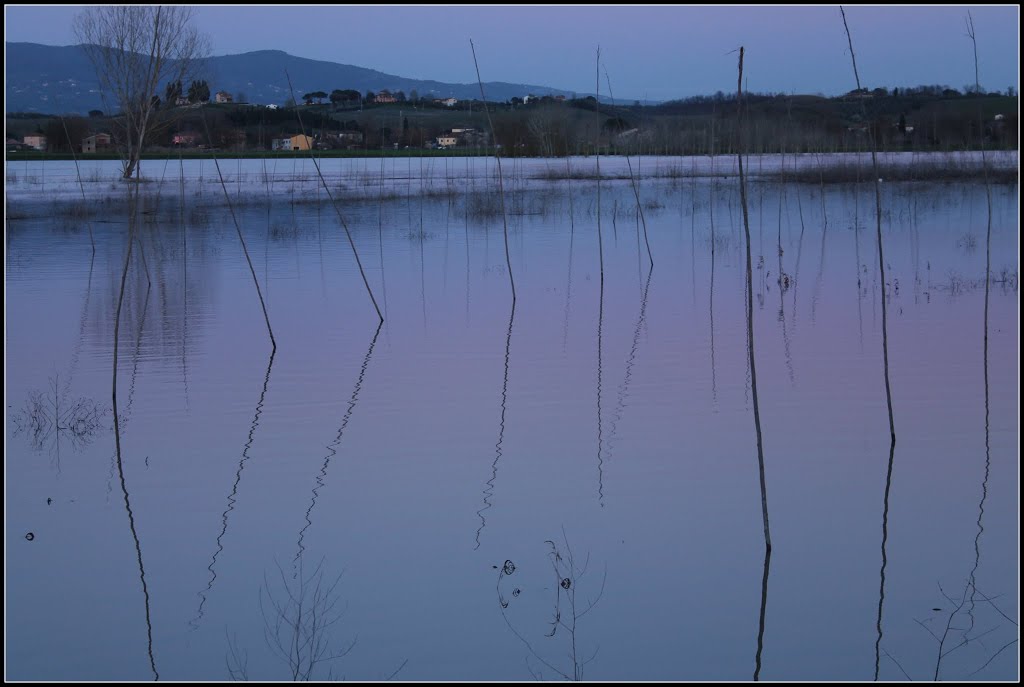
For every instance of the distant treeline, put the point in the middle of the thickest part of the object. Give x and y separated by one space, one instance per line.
935 118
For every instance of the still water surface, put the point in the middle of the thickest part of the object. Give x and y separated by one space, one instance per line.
420 477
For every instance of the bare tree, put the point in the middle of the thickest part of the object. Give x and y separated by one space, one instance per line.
135 50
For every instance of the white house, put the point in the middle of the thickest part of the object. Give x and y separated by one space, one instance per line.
90 144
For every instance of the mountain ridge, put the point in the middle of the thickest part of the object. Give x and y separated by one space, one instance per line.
60 79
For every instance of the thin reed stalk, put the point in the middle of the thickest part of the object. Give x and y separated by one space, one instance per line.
988 255
497 159
632 178
568 182
988 189
600 310
885 359
341 218
750 308
881 259
380 221
78 174
753 370
245 250
142 255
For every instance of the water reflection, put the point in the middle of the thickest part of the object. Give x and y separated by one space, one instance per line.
885 559
127 414
332 447
133 219
693 228
47 417
423 269
858 267
466 227
799 253
620 403
568 294
73 366
489 489
409 596
784 281
572 236
600 312
600 419
821 270
761 617
971 594
231 500
711 289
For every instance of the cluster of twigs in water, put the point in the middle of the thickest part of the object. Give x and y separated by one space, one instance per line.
964 611
1007 278
55 414
567 576
296 625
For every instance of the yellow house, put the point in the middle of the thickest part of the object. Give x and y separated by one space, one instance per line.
301 142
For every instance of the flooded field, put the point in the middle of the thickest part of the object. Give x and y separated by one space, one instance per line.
565 487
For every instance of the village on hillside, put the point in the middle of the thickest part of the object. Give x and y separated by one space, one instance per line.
194 119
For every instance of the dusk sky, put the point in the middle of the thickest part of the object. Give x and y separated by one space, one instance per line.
650 52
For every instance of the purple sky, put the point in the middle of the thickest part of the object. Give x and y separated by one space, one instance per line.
656 52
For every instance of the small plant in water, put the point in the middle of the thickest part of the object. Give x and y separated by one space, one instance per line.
297 622
54 414
570 606
967 243
296 625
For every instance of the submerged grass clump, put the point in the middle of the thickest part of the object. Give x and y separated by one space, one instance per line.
944 168
957 284
967 243
483 205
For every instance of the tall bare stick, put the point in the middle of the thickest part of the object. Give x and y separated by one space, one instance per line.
885 359
750 307
341 218
988 256
600 307
753 370
597 119
632 179
988 189
78 173
245 250
878 217
497 159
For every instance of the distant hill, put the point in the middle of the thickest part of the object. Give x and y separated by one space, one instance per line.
60 79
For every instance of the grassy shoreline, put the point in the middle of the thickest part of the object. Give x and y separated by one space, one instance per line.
196 154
